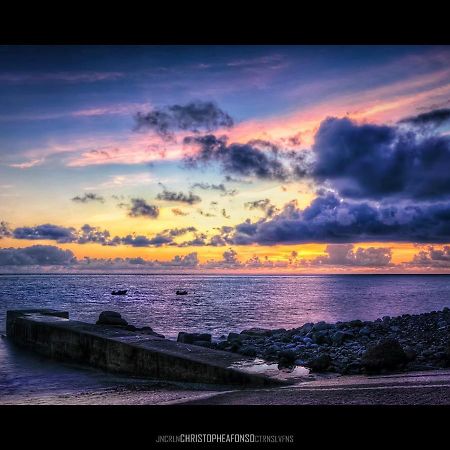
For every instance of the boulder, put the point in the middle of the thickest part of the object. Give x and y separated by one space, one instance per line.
286 358
339 337
248 350
320 363
321 326
384 356
257 332
233 337
111 318
365 331
190 338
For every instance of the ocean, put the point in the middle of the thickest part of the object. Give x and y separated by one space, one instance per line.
214 304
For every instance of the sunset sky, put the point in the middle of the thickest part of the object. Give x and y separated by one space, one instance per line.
266 159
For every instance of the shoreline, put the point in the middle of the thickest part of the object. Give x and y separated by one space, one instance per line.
410 342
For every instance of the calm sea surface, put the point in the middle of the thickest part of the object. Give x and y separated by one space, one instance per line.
215 304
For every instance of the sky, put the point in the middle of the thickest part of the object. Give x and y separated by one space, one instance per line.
225 159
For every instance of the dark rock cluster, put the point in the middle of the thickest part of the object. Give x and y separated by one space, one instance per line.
201 339
114 319
408 342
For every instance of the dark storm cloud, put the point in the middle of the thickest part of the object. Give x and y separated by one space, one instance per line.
345 255
256 158
376 161
46 231
329 219
88 197
194 116
42 255
172 196
140 208
434 118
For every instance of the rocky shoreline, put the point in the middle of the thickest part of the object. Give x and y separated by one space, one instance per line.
390 344
404 343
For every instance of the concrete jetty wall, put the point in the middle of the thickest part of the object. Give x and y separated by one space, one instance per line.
51 333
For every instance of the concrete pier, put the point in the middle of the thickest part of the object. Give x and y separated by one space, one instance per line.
51 333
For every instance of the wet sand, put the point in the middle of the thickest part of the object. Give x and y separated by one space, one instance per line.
420 388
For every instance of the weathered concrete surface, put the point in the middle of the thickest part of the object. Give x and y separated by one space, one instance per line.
51 333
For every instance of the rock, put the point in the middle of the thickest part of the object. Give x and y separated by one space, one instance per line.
320 364
222 345
286 358
410 353
299 362
365 331
339 337
257 332
320 337
321 326
111 318
356 323
306 328
189 338
307 340
248 350
233 337
387 355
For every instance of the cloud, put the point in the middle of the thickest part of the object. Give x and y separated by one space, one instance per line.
216 187
330 219
46 231
171 196
41 255
264 205
434 118
88 197
194 117
140 208
28 164
231 179
63 235
209 187
143 241
88 234
257 158
432 257
378 161
166 237
345 255
205 213
65 77
179 212
5 230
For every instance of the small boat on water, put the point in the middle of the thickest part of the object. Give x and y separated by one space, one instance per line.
182 292
120 292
